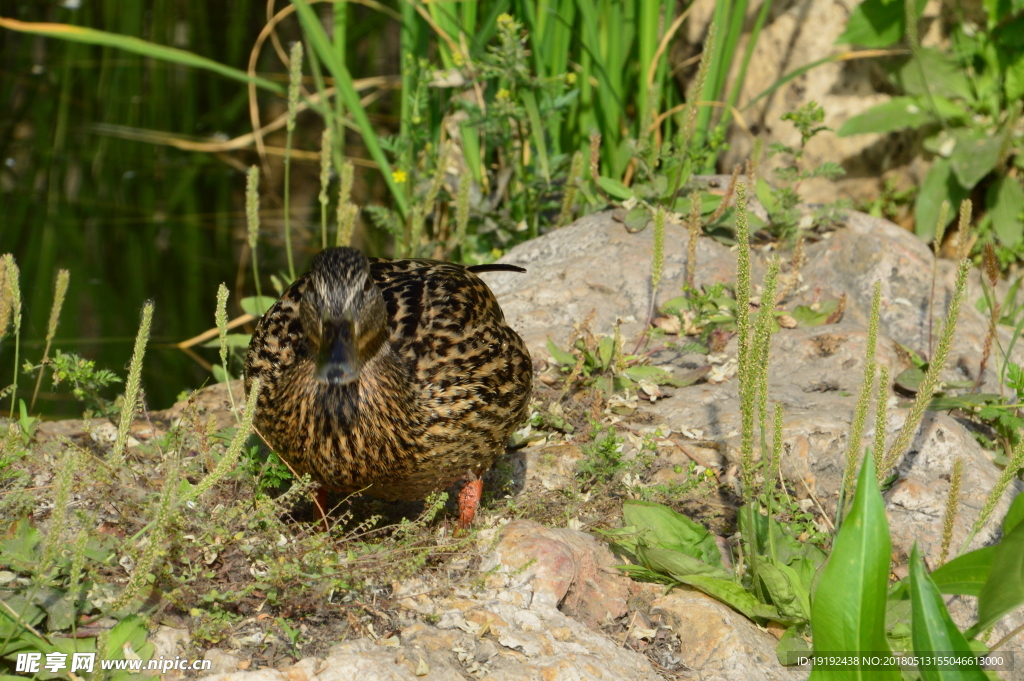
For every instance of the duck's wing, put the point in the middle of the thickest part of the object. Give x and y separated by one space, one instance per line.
440 312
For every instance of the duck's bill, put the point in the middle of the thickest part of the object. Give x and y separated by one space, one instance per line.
338 361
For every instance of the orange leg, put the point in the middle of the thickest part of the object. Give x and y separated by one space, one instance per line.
469 501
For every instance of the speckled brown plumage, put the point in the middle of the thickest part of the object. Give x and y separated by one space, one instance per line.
397 376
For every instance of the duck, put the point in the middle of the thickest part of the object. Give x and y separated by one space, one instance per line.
397 378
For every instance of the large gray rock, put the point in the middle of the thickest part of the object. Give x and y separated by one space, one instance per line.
595 268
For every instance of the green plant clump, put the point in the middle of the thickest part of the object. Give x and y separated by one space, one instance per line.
965 99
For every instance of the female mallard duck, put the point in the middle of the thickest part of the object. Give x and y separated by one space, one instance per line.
397 377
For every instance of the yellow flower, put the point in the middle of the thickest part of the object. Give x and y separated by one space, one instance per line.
570 78
399 176
502 94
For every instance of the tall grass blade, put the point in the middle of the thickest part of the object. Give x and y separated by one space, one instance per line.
343 80
91 36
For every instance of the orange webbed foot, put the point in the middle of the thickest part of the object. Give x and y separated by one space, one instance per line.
469 501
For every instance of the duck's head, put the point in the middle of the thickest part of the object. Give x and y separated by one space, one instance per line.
343 315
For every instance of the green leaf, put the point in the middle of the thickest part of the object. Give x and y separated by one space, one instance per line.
561 356
910 379
614 188
848 613
605 350
91 36
234 340
940 184
257 305
807 317
666 529
1013 74
793 645
764 194
974 156
1005 201
660 376
637 219
537 131
968 402
789 595
944 76
676 563
933 630
1004 590
20 550
876 23
1014 515
132 630
896 114
965 574
733 595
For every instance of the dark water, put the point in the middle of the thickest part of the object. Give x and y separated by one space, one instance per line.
131 220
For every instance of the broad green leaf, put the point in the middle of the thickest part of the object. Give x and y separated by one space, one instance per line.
91 36
876 23
793 645
789 595
807 317
965 574
896 114
974 156
674 305
1013 74
257 305
605 349
614 188
943 74
666 529
21 548
898 614
1004 591
676 563
1014 515
940 184
733 595
660 376
848 612
708 204
637 218
561 356
910 379
220 375
1010 34
763 191
1005 201
933 629
131 630
234 340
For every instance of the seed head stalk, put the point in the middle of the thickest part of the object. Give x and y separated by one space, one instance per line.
294 80
252 215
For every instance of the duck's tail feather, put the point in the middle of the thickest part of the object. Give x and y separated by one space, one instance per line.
495 267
